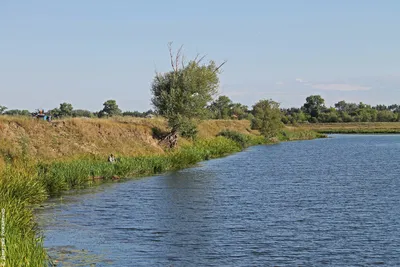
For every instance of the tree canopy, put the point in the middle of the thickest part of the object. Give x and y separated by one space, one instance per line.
182 94
267 118
110 109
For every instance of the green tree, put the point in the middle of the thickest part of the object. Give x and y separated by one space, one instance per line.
241 111
82 113
346 117
385 115
17 112
2 109
182 95
221 107
55 112
314 105
267 118
110 109
65 110
330 115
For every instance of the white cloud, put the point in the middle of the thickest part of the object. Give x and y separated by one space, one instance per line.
340 87
279 83
299 80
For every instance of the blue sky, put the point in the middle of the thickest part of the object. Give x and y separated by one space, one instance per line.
85 52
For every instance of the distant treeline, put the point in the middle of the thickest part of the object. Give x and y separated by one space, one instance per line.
314 110
66 110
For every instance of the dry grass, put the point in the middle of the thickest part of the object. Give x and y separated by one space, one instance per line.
78 137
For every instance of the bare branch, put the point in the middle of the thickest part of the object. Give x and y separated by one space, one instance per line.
171 55
217 69
178 56
201 59
197 56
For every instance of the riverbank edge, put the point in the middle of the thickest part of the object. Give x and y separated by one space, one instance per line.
352 128
59 177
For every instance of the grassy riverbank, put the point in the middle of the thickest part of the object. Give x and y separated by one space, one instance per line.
353 128
40 160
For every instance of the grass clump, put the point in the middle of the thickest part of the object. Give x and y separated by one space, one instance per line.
244 140
19 190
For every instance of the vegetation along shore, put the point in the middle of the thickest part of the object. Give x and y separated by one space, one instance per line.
42 157
36 166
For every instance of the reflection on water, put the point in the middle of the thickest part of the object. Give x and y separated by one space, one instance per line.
323 202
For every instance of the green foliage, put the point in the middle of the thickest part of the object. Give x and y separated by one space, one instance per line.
55 112
267 118
239 138
17 112
138 114
2 109
188 128
385 116
18 191
110 109
242 139
315 111
221 107
65 109
82 113
182 94
314 105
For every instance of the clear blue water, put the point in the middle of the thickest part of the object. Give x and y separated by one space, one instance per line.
326 202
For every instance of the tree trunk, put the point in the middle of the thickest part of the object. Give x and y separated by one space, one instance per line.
171 140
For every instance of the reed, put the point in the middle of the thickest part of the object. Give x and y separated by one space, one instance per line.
19 190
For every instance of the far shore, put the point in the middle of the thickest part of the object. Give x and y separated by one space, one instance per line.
352 127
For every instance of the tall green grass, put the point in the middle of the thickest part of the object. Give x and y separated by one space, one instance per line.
18 191
57 177
242 139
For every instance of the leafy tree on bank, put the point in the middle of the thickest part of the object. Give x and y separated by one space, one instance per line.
241 111
82 113
2 109
55 113
221 108
65 109
110 109
182 94
314 106
267 118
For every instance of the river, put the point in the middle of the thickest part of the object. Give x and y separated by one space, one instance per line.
324 202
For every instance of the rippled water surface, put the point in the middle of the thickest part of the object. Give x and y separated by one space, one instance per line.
327 202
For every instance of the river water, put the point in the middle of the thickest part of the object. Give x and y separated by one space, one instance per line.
325 202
